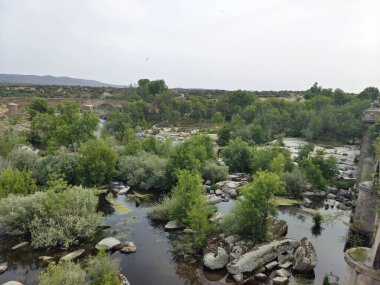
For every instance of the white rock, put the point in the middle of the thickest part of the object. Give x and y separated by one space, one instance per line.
283 273
280 281
72 255
108 243
3 268
260 276
271 265
213 199
129 247
12 283
238 277
216 261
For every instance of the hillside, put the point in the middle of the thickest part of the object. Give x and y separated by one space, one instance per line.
18 79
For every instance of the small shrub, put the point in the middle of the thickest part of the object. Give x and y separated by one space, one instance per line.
23 159
326 280
296 182
16 182
317 218
160 211
67 273
103 270
215 172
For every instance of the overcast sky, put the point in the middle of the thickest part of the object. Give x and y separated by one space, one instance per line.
253 44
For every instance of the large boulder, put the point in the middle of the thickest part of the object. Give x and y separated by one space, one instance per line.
12 283
213 199
216 260
260 255
108 243
3 268
305 257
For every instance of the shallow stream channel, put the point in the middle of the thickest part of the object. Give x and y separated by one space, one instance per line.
153 262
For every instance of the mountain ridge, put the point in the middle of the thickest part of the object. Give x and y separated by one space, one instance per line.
24 79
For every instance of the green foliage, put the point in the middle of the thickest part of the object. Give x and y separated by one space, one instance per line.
57 166
317 218
190 155
63 273
22 159
143 171
217 118
160 211
238 156
152 145
249 217
39 106
116 123
132 145
51 218
296 182
9 140
185 193
97 163
103 270
14 181
66 127
214 172
326 280
224 135
371 93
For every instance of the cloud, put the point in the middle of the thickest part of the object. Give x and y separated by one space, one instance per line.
256 44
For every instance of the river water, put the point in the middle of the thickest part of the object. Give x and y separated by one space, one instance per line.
153 263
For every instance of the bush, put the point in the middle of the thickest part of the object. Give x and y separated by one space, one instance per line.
238 156
59 166
97 163
215 172
295 182
317 218
160 211
51 218
16 182
23 159
144 171
103 270
67 273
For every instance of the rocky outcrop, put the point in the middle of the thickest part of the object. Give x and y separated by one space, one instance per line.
123 280
216 260
279 228
108 243
261 255
12 283
305 257
213 199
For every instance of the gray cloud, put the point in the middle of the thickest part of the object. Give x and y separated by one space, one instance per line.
253 44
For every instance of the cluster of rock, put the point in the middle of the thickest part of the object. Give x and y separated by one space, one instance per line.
276 260
346 156
226 189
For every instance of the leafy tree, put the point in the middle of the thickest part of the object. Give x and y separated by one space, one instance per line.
277 165
371 93
23 159
238 156
157 86
16 182
67 127
185 194
97 163
224 135
117 123
132 145
252 211
39 106
9 140
217 118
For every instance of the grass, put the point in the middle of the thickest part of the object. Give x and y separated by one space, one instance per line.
282 201
119 207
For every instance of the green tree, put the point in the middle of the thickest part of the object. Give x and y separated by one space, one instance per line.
97 163
277 165
103 270
39 106
67 273
67 127
238 156
252 211
371 93
217 118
